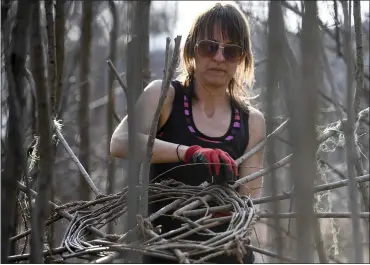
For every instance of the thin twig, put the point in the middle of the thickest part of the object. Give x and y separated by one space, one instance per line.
261 144
318 188
336 171
124 87
271 254
286 195
75 159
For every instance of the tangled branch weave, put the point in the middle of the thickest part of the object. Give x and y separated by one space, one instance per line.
230 241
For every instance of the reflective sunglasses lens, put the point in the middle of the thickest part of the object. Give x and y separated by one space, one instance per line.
232 52
207 48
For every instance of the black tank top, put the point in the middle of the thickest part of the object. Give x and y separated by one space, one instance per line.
180 129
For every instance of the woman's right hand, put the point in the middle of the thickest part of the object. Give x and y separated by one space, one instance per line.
221 166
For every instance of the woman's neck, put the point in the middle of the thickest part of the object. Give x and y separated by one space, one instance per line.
209 99
211 96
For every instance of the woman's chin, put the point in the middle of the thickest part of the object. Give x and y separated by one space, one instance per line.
216 82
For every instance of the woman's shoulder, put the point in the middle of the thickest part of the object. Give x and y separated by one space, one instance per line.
155 86
255 114
154 89
256 121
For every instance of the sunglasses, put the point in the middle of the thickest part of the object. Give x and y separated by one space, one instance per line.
209 48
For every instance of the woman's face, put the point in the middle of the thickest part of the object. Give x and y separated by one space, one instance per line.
215 66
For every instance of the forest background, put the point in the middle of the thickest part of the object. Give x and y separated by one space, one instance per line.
58 55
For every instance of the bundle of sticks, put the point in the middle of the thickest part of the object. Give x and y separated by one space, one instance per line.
171 245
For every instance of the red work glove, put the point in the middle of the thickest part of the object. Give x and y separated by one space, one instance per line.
221 166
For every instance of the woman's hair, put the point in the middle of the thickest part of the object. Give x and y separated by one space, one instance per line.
235 27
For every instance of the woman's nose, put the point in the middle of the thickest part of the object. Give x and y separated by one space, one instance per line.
219 56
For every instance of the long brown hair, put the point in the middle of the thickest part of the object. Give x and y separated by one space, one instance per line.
234 26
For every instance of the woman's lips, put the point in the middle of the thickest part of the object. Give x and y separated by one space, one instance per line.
218 70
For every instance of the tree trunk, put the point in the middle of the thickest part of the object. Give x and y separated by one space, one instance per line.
275 61
359 94
52 85
359 55
141 30
86 35
111 104
134 82
44 131
351 150
50 28
137 50
303 106
313 69
14 164
59 42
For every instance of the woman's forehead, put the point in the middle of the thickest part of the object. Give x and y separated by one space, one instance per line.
217 33
220 36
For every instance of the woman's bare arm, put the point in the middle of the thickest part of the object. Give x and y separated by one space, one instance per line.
163 152
257 132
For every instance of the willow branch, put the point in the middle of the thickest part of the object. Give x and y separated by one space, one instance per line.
57 217
65 214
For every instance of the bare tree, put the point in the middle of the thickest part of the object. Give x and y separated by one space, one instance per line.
138 50
52 67
83 114
275 64
302 105
134 83
111 103
59 45
350 136
141 30
14 164
52 80
142 21
44 129
359 92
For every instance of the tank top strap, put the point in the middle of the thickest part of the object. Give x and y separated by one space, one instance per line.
179 92
180 99
244 116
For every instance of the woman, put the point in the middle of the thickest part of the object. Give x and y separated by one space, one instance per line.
206 116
